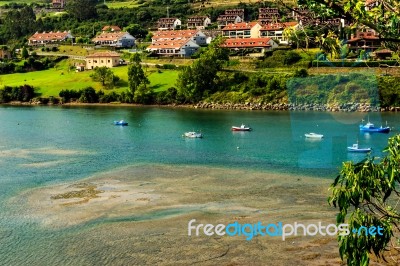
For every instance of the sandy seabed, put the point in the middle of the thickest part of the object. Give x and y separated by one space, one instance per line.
139 215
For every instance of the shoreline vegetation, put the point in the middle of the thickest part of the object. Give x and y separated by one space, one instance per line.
349 107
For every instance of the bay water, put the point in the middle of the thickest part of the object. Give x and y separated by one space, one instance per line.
43 146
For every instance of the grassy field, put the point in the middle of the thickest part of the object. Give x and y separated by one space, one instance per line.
51 82
2 3
121 4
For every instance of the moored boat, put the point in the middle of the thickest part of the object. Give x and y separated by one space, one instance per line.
369 127
241 128
120 123
313 135
193 134
356 148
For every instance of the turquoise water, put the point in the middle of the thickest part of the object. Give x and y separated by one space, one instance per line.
49 145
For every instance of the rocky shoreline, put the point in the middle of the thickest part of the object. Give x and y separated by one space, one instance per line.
348 107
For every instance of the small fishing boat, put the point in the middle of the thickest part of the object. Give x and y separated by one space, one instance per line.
241 128
369 127
120 123
193 134
356 148
313 135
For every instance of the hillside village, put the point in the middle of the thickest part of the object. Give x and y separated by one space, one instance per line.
252 33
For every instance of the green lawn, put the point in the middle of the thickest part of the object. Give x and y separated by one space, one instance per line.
51 82
121 4
2 3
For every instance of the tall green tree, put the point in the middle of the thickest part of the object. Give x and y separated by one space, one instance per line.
102 74
367 194
201 77
82 9
136 75
24 53
19 23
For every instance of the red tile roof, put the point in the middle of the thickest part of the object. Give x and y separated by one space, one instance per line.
174 34
168 44
384 51
111 28
240 26
49 36
109 36
247 43
103 54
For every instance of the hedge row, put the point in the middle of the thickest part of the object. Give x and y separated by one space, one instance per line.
316 63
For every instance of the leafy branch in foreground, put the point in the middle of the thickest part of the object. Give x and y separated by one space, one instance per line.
367 194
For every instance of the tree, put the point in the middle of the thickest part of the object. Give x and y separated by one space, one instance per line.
24 53
82 9
102 74
367 194
136 31
202 76
143 94
383 18
136 75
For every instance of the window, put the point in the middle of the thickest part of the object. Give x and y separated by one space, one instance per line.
101 61
109 61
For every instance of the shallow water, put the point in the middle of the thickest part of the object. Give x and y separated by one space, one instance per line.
46 146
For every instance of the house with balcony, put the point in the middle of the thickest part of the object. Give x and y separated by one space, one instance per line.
242 30
46 38
169 24
198 22
276 31
197 36
257 45
115 39
172 48
365 39
231 16
268 15
101 59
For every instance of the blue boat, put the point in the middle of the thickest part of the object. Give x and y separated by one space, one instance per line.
120 123
369 127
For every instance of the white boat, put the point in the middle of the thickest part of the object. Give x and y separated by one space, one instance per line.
193 134
313 135
356 148
241 128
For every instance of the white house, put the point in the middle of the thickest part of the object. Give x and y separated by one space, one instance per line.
115 39
275 31
50 38
169 24
224 20
242 30
181 47
196 36
198 22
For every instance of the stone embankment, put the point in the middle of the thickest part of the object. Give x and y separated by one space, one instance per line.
349 107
